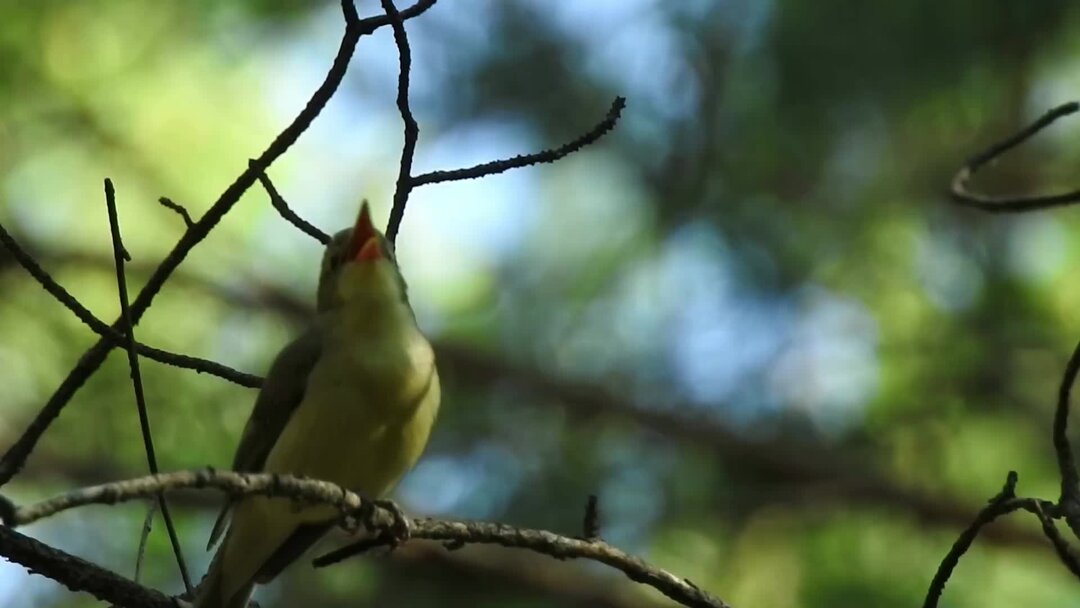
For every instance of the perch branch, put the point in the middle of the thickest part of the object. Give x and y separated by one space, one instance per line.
378 518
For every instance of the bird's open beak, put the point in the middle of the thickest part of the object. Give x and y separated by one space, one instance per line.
364 246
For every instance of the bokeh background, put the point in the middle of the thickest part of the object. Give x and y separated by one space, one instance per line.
749 320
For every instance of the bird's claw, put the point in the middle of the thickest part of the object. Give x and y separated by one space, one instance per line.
399 531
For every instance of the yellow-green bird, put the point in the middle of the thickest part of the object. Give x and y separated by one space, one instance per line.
351 401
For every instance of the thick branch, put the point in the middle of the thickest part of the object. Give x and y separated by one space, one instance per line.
78 574
377 518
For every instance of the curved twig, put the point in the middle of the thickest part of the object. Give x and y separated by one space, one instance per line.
115 337
377 518
1012 204
546 156
287 213
999 505
412 130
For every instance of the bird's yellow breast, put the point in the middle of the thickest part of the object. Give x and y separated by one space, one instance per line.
365 416
368 408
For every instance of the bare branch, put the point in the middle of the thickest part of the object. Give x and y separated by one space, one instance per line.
287 213
546 156
78 574
1064 552
17 454
1070 479
168 203
147 527
412 130
999 505
591 525
115 337
1011 204
377 518
119 256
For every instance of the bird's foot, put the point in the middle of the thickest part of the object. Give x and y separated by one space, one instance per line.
400 530
367 518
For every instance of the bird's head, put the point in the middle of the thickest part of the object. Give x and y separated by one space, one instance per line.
359 269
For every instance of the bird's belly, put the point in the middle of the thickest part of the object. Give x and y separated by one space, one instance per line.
355 433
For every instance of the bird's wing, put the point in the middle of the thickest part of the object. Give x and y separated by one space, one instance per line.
281 393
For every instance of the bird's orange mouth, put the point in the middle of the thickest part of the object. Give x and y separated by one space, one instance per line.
364 246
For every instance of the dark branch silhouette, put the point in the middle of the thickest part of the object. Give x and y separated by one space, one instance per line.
179 209
1012 204
412 130
546 156
120 255
287 213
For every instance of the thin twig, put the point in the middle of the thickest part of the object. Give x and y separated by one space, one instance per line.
119 256
378 519
116 338
591 524
92 359
1012 204
412 130
999 505
78 574
546 156
144 536
287 213
168 203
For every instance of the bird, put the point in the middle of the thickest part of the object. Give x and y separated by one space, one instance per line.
351 400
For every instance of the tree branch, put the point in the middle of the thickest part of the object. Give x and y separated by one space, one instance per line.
999 505
1011 204
412 130
545 156
112 334
78 574
375 518
119 256
287 213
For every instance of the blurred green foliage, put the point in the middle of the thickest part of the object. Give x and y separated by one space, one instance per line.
821 368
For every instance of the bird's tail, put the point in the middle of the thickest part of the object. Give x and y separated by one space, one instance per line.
212 592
